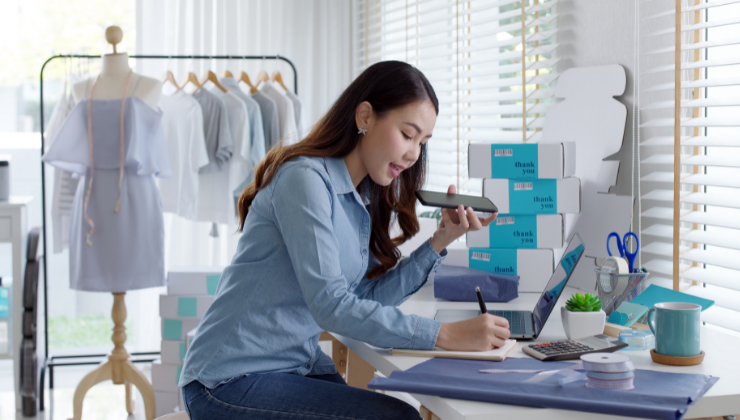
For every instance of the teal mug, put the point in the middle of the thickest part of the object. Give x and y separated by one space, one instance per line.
677 328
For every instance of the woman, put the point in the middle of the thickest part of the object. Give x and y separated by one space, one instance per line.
316 255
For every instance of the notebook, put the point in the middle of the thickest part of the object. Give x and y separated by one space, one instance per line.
496 355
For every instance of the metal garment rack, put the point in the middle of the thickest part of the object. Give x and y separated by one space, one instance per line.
94 359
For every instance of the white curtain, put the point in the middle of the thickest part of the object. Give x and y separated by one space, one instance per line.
314 34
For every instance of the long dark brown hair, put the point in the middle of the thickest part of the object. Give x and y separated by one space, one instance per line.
386 85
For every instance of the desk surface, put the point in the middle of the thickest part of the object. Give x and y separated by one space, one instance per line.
720 360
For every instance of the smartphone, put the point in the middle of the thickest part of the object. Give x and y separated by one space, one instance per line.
451 201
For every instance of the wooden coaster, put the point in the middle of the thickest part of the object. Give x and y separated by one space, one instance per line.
676 360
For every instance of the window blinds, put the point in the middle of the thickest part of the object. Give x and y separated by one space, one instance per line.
490 67
690 240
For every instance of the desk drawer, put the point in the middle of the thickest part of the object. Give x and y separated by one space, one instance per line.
6 230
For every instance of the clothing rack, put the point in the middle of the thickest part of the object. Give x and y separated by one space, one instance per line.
94 359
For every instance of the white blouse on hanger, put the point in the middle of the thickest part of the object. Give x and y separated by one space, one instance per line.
286 113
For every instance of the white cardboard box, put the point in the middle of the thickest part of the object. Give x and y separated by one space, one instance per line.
533 266
165 376
522 160
189 338
177 329
193 281
534 196
184 307
166 402
172 351
521 231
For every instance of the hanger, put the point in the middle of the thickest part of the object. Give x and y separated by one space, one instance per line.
226 72
169 77
191 78
244 77
261 77
278 78
211 76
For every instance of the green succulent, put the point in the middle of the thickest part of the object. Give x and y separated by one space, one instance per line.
581 303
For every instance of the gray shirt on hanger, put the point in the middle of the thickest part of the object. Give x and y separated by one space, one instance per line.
216 131
270 119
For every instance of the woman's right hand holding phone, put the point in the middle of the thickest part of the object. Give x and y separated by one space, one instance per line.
484 332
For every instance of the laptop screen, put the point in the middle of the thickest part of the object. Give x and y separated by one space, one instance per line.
557 282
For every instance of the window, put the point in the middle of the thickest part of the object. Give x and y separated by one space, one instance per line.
490 63
708 203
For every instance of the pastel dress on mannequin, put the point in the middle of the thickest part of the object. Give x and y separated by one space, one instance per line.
116 146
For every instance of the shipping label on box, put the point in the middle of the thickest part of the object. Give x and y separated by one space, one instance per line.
177 329
534 196
520 231
193 281
172 351
165 376
184 306
4 302
522 160
533 266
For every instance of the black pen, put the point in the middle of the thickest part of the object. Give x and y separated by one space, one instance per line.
482 304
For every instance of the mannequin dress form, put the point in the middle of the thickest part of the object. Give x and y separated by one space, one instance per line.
118 367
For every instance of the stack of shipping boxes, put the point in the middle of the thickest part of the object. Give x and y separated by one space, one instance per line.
190 291
532 186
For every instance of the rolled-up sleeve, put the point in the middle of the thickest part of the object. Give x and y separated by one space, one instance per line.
302 205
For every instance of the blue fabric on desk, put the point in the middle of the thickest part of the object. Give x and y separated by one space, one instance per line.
657 395
458 283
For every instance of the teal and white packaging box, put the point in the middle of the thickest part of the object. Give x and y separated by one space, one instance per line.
177 307
193 281
533 266
534 196
165 376
177 329
522 160
172 351
189 338
166 402
520 231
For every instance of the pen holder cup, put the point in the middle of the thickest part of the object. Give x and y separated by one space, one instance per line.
617 288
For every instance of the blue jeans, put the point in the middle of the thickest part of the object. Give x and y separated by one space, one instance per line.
284 396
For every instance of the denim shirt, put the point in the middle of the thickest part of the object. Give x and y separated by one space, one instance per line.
300 269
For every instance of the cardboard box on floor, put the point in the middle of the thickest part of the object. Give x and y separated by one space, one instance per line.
520 160
165 376
520 231
533 266
172 351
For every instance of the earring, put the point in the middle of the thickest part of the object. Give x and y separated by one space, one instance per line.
362 131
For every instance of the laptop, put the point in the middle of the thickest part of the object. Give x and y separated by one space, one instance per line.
529 324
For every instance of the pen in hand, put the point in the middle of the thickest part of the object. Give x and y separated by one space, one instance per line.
482 304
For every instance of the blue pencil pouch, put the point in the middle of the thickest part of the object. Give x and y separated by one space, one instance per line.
458 284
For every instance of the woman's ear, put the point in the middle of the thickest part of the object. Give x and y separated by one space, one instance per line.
364 115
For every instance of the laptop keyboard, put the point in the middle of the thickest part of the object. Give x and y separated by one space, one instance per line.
517 320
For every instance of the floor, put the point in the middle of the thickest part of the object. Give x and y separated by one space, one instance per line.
105 401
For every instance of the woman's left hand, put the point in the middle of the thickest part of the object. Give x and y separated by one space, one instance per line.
456 223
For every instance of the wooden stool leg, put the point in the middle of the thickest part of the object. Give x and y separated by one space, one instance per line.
425 413
129 399
359 372
102 373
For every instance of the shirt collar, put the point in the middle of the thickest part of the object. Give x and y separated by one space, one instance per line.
339 174
230 81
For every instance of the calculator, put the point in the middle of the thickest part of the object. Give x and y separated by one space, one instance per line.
573 349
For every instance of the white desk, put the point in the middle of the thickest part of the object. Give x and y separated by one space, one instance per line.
13 219
721 360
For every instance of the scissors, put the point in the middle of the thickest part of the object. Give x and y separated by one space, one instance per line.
623 250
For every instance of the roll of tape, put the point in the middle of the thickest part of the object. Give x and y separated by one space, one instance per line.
615 265
607 362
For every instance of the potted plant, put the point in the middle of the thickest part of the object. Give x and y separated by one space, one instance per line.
582 316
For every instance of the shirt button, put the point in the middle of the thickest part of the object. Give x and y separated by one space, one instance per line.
364 251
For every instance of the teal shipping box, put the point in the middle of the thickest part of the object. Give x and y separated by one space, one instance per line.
177 329
187 307
520 231
534 196
193 281
533 266
522 160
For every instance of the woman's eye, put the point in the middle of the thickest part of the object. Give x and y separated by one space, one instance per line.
406 136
